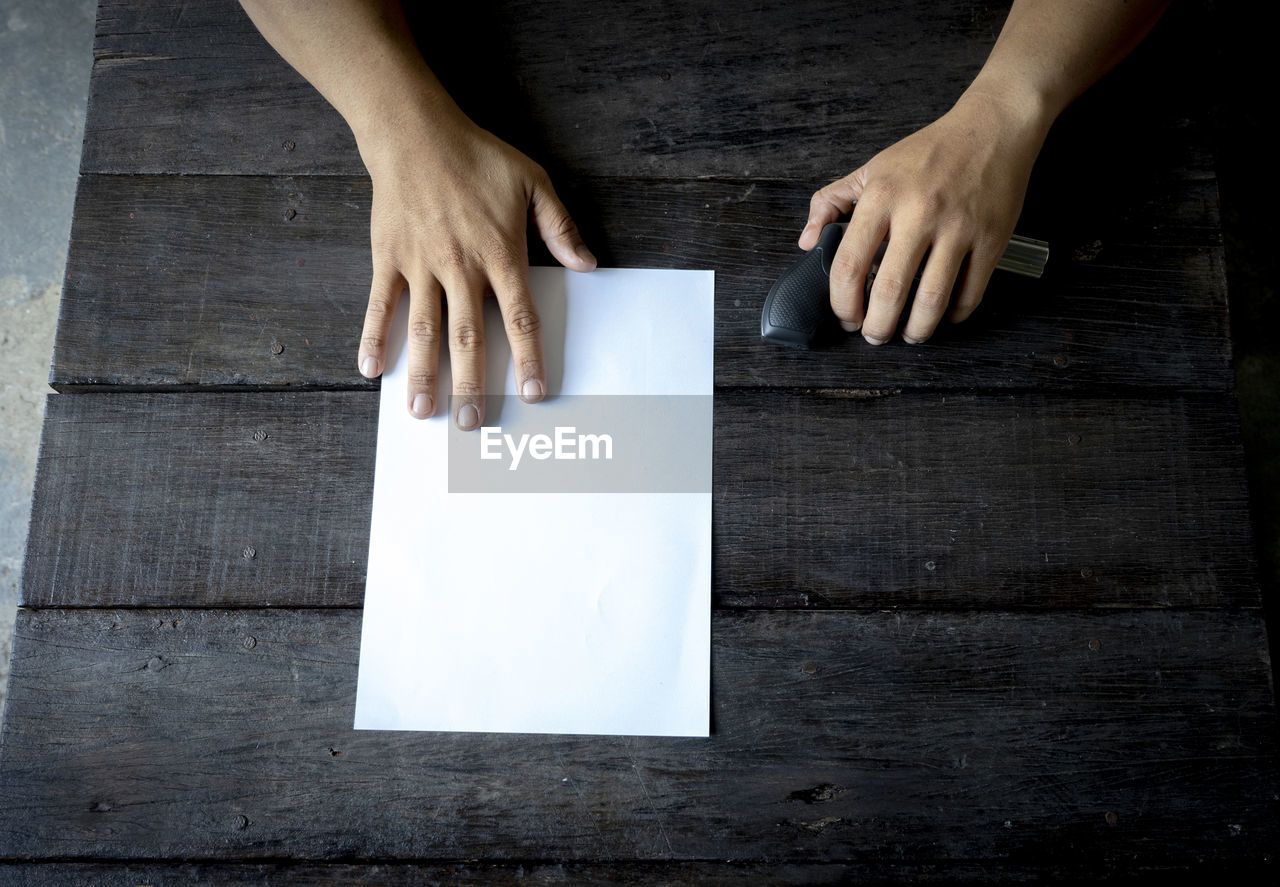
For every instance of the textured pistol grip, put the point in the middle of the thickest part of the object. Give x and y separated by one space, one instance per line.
799 301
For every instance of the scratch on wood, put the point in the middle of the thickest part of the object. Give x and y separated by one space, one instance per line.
114 60
818 825
662 829
824 792
854 393
582 802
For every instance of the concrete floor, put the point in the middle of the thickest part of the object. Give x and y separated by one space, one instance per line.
46 51
45 57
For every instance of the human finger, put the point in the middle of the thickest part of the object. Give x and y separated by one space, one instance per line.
829 203
557 228
425 294
384 293
974 279
933 293
892 285
466 351
524 330
852 263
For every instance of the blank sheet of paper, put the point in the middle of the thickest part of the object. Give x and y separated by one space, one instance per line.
545 612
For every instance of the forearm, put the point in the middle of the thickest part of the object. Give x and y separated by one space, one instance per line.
1050 51
362 58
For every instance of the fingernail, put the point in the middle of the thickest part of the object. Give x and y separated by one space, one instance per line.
872 340
468 417
911 341
422 405
585 255
850 326
531 390
369 367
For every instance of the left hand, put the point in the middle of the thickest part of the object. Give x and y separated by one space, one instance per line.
949 191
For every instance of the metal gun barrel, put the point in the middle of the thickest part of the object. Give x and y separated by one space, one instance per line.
1025 256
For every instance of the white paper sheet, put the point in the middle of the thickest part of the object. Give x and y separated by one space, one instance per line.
545 613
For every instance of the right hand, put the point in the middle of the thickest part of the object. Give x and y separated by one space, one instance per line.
952 192
450 207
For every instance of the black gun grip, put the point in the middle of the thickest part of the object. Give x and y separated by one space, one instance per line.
800 300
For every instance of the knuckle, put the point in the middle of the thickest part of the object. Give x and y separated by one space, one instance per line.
466 389
958 223
452 257
562 225
379 310
877 191
932 299
385 254
424 329
422 380
986 253
528 368
538 174
847 264
929 203
499 251
372 343
466 336
523 322
891 287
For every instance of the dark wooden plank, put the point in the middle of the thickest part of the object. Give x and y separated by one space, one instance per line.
916 499
586 874
976 501
265 494
807 89
191 281
1057 739
676 89
674 874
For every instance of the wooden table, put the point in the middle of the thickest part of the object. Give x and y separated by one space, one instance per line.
984 609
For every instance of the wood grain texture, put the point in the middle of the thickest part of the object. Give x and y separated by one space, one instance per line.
223 735
960 637
909 500
702 154
673 90
804 90
606 874
199 281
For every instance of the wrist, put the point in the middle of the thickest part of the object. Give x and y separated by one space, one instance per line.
1015 106
410 124
395 99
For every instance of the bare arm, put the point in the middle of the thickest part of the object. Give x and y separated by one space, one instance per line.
955 188
450 200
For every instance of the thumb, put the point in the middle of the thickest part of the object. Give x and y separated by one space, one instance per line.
830 203
557 230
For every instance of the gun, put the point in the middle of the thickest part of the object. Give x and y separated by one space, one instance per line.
800 301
